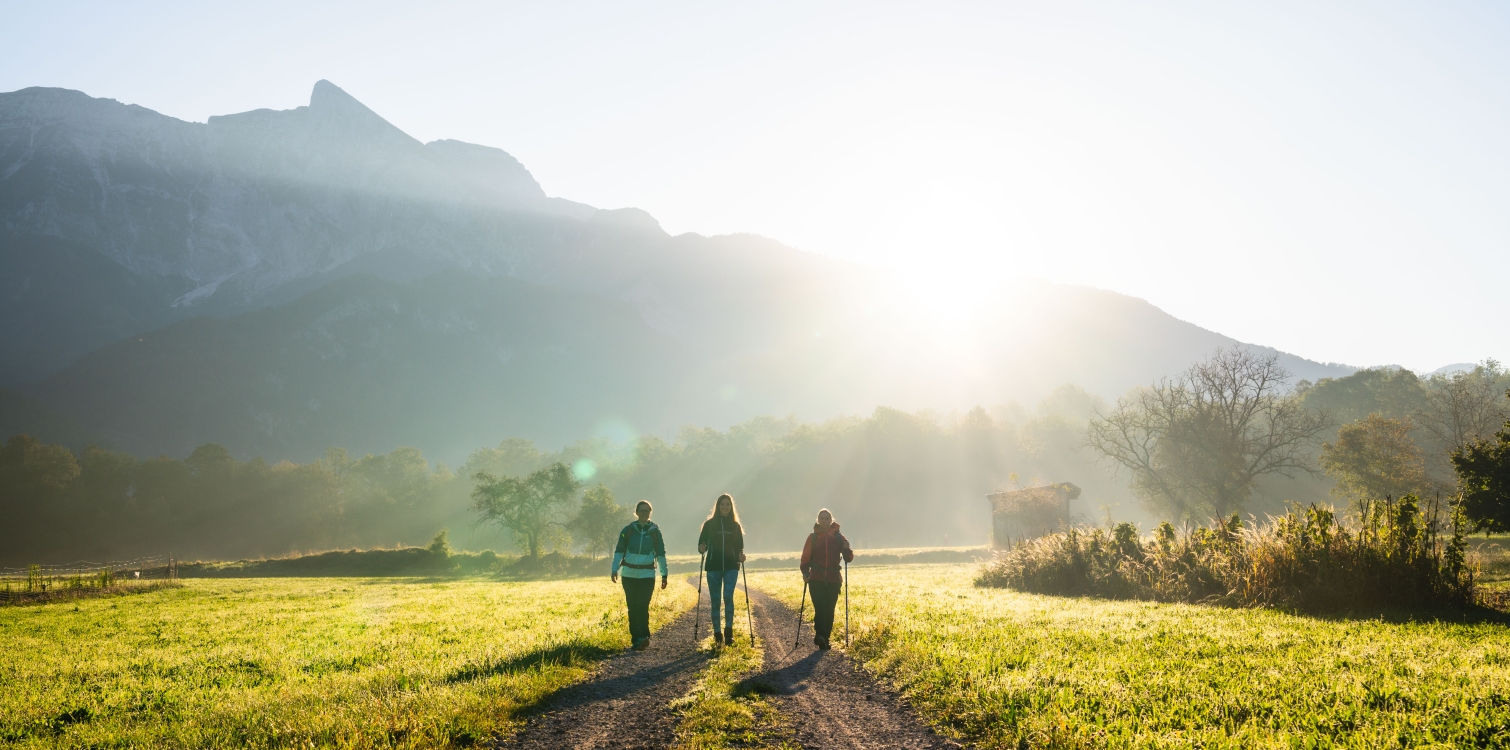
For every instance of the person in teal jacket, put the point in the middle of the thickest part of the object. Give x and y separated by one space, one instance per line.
639 551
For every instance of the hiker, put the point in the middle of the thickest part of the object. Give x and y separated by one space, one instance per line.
723 541
639 550
824 573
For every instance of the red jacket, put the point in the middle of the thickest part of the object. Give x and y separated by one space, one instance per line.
820 556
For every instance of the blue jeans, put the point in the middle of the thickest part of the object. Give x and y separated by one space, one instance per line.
722 579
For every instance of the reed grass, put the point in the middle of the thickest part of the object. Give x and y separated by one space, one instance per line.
1306 559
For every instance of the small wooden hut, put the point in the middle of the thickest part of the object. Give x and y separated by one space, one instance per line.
1033 512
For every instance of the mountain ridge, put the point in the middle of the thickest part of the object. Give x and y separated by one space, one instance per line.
117 222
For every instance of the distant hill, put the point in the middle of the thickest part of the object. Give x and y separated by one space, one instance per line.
283 281
1454 368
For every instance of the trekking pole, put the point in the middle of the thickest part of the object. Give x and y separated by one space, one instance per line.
846 604
748 612
697 612
797 639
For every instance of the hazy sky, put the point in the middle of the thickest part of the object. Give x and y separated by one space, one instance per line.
1330 179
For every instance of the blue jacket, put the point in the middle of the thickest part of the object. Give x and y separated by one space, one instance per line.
639 550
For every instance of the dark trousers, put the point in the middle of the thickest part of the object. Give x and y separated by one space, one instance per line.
637 593
825 596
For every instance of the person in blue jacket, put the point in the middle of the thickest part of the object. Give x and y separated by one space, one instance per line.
639 551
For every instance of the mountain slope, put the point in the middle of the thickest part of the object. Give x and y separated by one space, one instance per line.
455 361
447 362
280 281
225 213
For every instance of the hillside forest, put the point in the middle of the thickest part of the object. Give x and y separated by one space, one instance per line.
893 479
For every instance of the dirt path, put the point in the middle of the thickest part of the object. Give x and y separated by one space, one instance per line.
625 704
828 700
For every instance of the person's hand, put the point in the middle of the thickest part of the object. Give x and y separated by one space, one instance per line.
663 583
614 576
741 557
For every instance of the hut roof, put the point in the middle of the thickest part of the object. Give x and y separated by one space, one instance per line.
1033 499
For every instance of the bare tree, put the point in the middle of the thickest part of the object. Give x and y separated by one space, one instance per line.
1463 408
1197 444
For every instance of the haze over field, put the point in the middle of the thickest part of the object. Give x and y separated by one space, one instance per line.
940 231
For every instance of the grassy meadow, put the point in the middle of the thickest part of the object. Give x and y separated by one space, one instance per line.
1003 669
303 662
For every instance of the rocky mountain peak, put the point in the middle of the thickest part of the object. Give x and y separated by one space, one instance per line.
332 108
329 101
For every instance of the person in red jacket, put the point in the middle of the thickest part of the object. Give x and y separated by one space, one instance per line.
824 573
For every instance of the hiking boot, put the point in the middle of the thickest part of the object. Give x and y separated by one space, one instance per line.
718 640
729 637
642 644
822 644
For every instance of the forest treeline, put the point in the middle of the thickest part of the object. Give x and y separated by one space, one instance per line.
893 479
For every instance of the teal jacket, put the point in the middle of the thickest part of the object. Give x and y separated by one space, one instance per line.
639 550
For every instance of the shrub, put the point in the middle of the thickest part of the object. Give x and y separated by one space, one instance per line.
1305 559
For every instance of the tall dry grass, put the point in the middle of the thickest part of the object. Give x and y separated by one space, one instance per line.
1307 559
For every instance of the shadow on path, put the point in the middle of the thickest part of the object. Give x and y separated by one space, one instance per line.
626 703
829 700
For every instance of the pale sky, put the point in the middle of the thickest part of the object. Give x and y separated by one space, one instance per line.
1332 179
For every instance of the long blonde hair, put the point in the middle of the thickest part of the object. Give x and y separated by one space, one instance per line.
733 511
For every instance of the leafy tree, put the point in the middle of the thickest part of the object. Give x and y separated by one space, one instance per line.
34 479
29 465
440 553
400 478
528 507
210 459
598 521
1392 392
1197 444
1483 471
440 546
512 457
393 495
1372 459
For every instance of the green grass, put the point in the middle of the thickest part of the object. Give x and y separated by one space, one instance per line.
303 662
1004 669
723 710
1492 558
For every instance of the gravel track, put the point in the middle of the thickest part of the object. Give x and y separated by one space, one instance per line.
828 700
625 704
824 699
